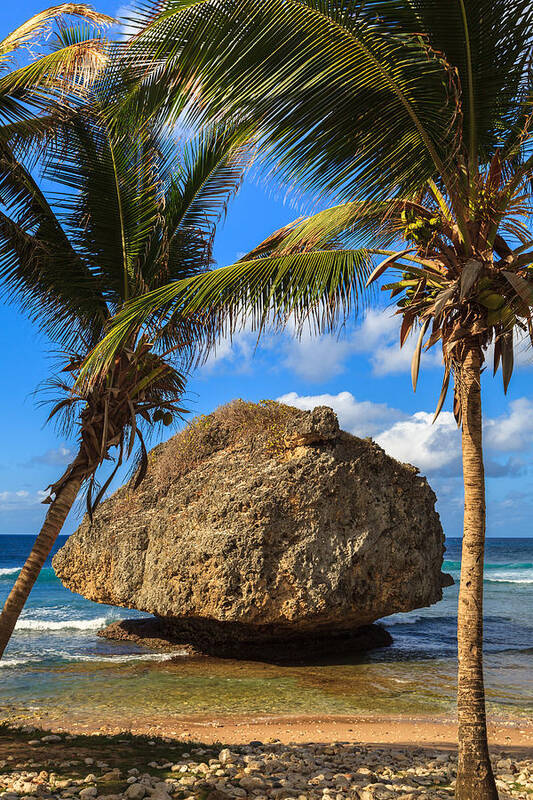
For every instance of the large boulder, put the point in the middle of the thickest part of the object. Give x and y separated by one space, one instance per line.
259 523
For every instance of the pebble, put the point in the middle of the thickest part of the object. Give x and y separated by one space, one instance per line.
88 793
263 771
135 791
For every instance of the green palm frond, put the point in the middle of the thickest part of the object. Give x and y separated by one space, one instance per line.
489 44
111 201
199 177
342 226
213 164
325 84
39 268
315 288
39 283
129 206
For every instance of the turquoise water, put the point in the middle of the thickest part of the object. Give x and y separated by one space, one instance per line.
55 660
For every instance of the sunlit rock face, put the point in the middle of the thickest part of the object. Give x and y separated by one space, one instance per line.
264 523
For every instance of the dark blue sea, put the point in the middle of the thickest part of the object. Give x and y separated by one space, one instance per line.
55 663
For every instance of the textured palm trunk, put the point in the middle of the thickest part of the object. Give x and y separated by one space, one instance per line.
55 518
475 780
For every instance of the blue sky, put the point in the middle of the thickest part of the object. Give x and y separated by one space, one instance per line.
363 375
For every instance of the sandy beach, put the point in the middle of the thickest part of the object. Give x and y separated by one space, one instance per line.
236 729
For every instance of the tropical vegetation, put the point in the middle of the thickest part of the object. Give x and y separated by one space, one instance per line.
125 211
417 117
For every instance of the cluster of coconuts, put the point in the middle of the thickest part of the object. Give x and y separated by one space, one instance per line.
163 416
417 229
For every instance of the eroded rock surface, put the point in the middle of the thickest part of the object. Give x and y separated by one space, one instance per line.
262 522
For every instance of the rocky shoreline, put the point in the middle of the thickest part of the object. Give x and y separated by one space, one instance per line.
196 637
49 766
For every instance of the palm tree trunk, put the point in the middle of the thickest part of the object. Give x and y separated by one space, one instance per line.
54 521
475 780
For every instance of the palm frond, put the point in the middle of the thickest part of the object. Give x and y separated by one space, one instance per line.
39 268
489 44
41 24
315 289
342 226
111 198
333 94
213 164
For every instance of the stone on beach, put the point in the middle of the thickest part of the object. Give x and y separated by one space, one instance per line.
89 792
276 771
258 524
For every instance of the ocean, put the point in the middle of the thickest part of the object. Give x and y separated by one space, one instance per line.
56 665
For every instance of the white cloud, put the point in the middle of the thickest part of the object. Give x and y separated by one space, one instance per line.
433 447
379 337
362 418
410 438
61 455
316 358
237 350
21 499
319 358
512 431
128 19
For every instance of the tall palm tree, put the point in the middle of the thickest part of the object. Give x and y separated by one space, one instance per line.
137 208
417 116
36 95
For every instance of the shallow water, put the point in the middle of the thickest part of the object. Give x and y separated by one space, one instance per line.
55 660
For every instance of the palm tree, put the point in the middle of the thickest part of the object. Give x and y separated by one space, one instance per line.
137 209
418 117
34 97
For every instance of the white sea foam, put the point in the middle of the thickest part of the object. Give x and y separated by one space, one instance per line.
402 619
72 624
131 657
507 573
95 659
9 570
13 662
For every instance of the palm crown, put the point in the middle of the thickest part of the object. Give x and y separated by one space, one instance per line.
449 176
125 206
128 211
